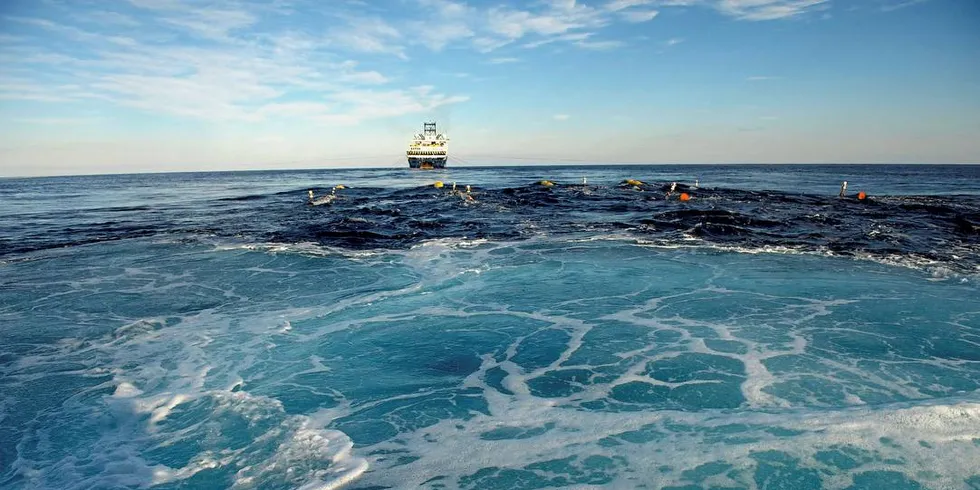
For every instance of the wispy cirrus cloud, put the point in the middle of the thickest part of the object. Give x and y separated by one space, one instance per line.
213 64
71 32
448 23
368 35
892 5
599 45
756 10
759 10
105 17
617 5
215 24
232 60
14 89
637 16
364 104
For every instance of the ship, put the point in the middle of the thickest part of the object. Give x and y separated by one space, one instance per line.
429 149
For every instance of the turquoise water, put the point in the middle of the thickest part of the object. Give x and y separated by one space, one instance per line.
215 350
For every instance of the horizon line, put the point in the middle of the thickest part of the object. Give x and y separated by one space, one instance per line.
536 165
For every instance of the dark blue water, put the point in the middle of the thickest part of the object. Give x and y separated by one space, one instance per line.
214 330
920 214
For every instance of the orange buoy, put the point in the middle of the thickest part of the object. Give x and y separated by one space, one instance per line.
861 196
685 197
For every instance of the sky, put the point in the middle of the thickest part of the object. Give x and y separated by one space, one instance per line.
100 86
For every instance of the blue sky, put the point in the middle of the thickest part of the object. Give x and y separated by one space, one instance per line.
90 86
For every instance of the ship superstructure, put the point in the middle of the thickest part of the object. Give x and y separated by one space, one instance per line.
429 149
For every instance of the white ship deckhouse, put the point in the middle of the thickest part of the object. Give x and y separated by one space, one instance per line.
429 149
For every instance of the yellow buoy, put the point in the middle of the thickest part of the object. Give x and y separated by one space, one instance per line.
340 186
634 182
438 184
547 183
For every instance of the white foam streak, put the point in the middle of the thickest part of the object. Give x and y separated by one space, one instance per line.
293 457
951 427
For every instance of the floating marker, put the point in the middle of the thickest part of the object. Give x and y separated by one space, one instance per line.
861 196
340 186
547 183
685 197
438 184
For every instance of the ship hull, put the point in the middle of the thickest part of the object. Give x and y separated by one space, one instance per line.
425 163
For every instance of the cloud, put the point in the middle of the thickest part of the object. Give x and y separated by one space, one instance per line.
617 5
158 4
104 17
372 104
368 35
561 117
234 73
637 16
892 6
534 24
70 32
573 37
488 44
759 78
215 24
674 41
514 24
599 45
29 90
235 60
759 10
436 37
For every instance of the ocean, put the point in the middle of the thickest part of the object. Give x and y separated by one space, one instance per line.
213 330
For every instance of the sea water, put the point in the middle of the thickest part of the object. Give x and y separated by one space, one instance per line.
216 331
